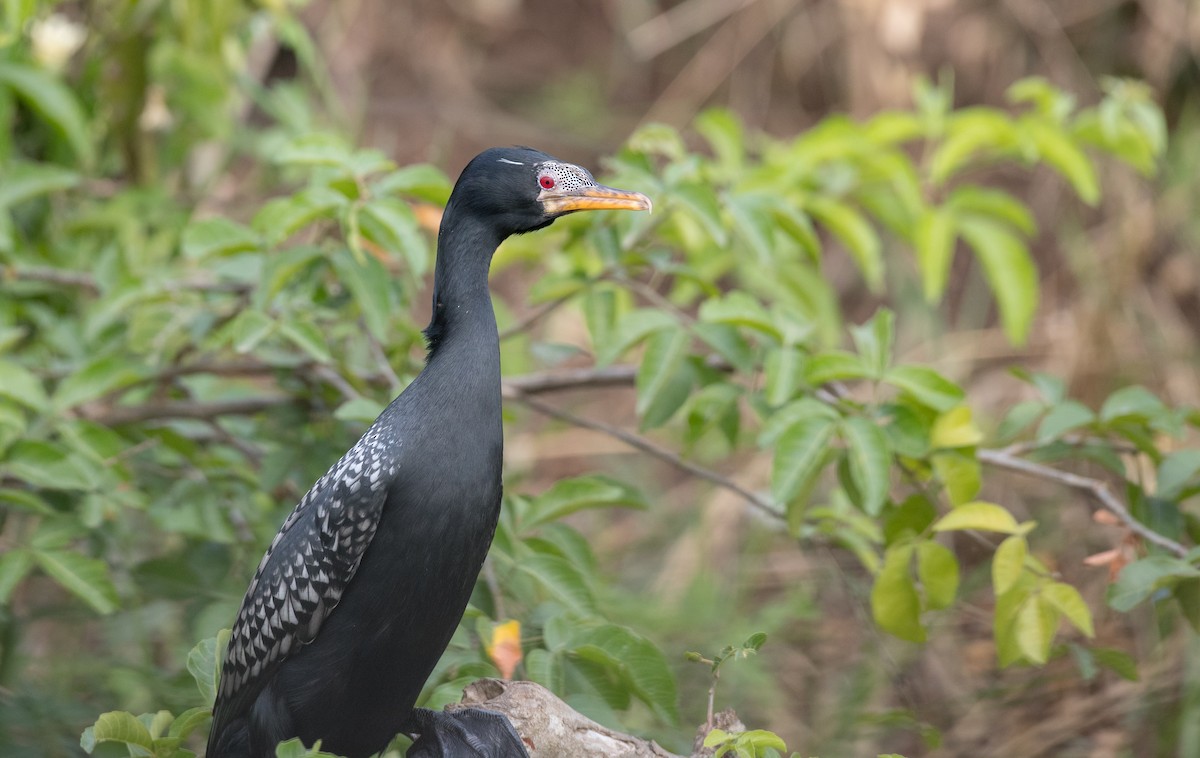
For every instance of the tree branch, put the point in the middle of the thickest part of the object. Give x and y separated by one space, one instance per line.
1097 489
639 442
184 409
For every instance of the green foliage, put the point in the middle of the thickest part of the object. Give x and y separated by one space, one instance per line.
173 374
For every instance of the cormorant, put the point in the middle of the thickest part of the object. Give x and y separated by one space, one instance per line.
360 591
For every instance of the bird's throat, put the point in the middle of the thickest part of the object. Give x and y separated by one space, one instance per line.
462 306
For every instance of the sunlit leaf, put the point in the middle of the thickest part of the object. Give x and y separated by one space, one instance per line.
1008 562
1067 600
1009 269
933 242
857 235
894 602
937 568
986 517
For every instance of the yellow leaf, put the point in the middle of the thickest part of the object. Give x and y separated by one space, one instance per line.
505 647
955 428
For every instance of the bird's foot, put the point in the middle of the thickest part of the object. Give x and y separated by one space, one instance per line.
469 733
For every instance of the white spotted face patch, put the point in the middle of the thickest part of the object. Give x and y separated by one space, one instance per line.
563 177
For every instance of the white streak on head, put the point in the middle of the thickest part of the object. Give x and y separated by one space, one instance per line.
511 163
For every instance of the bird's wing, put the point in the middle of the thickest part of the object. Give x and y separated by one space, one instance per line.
304 573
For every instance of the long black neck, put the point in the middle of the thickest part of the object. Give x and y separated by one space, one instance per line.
462 307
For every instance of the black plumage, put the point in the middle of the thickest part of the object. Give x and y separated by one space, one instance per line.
363 586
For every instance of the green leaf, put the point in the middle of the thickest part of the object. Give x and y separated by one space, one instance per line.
937 568
391 223
1131 402
978 515
421 180
1008 563
569 496
14 566
926 385
1009 269
1056 148
204 664
783 369
874 340
1034 630
754 224
121 727
955 428
97 378
359 409
24 180
632 329
663 379
1062 418
997 204
562 580
188 722
215 237
1121 663
894 602
1019 416
1142 578
1176 471
834 366
729 344
700 202
308 338
18 384
637 661
1067 601
249 328
46 95
960 472
856 233
723 131
87 578
368 283
51 466
933 242
972 131
800 454
869 457
281 217
792 413
24 501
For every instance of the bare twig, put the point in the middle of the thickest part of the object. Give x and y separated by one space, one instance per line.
59 276
84 280
532 317
185 409
639 442
1094 487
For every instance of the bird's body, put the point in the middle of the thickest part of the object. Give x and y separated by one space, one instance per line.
361 590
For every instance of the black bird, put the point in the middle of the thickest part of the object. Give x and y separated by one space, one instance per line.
363 586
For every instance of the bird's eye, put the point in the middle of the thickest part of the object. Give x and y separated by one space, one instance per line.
547 182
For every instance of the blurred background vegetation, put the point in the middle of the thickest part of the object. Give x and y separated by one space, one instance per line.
148 145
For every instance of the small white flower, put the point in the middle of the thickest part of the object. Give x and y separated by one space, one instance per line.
55 39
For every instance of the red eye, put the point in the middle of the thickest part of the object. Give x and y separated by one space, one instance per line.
547 182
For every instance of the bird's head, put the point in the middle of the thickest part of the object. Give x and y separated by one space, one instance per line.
519 189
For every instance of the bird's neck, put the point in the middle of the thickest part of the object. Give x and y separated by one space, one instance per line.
462 307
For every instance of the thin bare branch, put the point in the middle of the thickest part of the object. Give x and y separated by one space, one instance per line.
1094 487
184 409
529 319
649 447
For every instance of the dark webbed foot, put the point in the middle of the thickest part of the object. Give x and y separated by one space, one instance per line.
469 733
